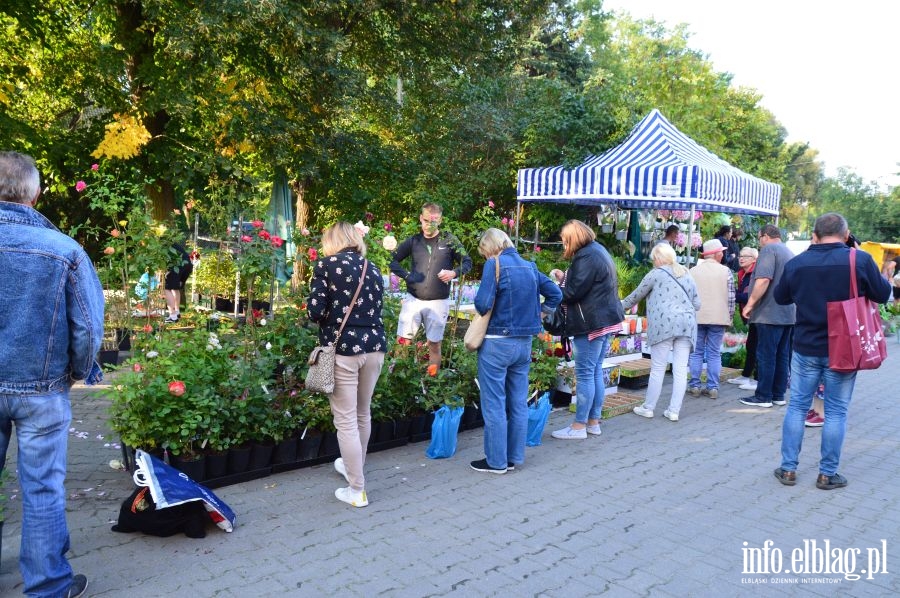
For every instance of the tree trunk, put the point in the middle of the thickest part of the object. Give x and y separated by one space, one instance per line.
301 221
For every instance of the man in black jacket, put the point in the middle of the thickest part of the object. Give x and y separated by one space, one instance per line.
432 256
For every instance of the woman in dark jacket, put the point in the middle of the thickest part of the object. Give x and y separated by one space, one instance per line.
359 350
504 357
593 314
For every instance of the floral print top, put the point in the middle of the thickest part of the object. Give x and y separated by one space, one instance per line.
334 282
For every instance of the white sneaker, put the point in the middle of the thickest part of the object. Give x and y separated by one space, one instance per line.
594 430
352 497
751 385
339 467
739 380
568 433
643 411
672 417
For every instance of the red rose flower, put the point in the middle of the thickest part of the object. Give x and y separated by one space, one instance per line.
264 234
148 328
136 367
313 254
176 388
246 238
277 241
258 224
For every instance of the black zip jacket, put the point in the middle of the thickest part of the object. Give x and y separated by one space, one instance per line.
591 293
427 258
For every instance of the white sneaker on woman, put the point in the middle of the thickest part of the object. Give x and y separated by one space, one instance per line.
569 433
643 411
352 497
339 467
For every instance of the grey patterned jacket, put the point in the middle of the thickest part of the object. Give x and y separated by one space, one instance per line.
672 305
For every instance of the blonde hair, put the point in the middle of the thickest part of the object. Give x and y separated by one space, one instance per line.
662 254
575 234
342 235
492 242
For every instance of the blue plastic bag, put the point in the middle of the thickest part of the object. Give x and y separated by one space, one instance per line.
443 432
538 412
145 285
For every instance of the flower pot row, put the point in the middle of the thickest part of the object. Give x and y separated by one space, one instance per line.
240 464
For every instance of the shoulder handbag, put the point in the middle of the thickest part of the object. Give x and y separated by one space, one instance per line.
320 376
478 328
855 334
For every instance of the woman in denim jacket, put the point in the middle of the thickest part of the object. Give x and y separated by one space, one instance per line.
505 355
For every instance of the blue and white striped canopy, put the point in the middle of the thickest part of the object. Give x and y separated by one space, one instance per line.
657 167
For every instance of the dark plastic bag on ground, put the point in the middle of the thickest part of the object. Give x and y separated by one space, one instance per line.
443 432
538 412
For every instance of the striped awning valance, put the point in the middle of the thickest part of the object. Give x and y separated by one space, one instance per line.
657 167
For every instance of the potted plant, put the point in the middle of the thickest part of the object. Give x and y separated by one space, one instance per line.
216 277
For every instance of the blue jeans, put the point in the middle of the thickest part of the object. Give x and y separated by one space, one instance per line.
503 365
806 373
773 361
709 343
589 384
42 433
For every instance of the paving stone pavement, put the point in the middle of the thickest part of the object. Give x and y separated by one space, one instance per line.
650 508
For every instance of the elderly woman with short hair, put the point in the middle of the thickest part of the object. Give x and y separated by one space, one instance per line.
672 304
504 357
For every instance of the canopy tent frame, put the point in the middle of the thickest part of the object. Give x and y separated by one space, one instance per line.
656 167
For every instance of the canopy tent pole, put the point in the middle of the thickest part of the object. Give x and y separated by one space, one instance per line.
690 242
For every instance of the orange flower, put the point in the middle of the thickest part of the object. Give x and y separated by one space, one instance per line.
109 251
433 369
115 233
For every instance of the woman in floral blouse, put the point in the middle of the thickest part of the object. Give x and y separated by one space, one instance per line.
360 348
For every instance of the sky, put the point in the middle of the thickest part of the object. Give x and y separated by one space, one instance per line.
826 69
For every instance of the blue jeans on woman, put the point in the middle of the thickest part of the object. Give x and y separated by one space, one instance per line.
806 372
503 365
42 434
589 385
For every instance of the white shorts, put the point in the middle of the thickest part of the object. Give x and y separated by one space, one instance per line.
417 312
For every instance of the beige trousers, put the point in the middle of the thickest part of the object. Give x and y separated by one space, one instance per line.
354 382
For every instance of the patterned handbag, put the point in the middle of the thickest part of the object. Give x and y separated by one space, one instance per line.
320 376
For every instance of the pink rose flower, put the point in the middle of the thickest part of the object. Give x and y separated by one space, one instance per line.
80 186
277 241
246 238
95 167
313 254
490 204
258 224
176 388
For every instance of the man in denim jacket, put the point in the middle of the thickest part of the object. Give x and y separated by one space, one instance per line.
51 325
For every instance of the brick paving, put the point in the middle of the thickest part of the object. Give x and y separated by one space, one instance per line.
650 508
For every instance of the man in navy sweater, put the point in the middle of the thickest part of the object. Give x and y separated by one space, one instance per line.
812 279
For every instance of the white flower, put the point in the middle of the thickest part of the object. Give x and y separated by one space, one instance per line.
152 354
262 322
389 242
268 346
362 228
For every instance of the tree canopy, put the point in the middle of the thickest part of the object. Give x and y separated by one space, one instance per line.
366 105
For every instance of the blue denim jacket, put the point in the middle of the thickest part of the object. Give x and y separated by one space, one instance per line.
517 305
51 306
